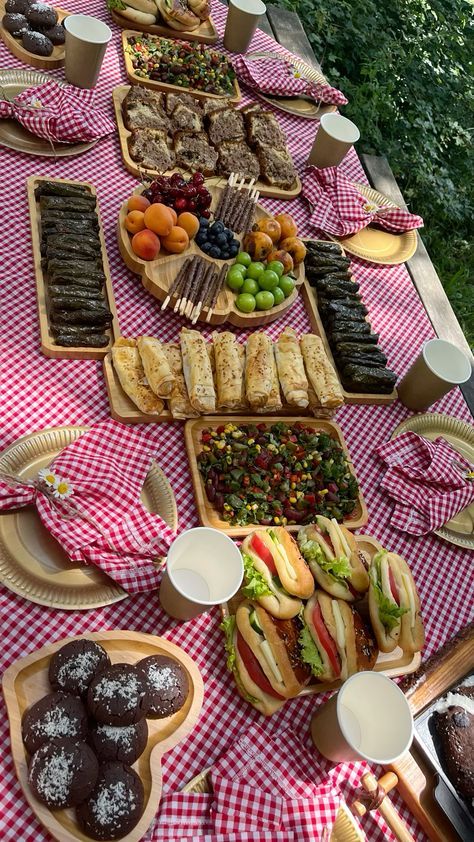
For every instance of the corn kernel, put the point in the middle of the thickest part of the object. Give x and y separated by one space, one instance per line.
206 448
300 494
276 519
226 507
293 486
292 499
323 492
258 448
220 444
284 521
251 441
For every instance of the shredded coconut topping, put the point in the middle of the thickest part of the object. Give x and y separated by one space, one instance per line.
123 735
56 723
161 678
55 778
79 669
127 688
112 803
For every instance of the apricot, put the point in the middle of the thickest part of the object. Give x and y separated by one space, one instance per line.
159 219
189 222
295 247
271 227
139 203
283 257
177 240
135 221
287 224
258 245
146 244
174 215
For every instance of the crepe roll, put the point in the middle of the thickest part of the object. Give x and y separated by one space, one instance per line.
259 376
197 371
156 366
274 403
320 372
178 401
230 365
290 365
128 365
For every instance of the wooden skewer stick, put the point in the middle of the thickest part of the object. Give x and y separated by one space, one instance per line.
378 790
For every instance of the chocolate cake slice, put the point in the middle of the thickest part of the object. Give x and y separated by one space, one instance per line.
193 152
149 148
142 109
454 726
225 124
236 156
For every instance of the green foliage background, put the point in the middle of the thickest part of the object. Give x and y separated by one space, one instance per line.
406 67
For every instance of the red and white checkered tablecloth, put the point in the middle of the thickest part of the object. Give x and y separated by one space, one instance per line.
38 392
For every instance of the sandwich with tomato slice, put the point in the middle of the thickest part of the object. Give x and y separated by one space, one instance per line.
263 654
261 574
333 557
394 604
335 643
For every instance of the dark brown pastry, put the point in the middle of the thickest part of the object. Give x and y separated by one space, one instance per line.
73 667
115 805
54 716
37 43
167 683
118 696
56 34
455 730
63 773
125 743
16 24
18 6
41 16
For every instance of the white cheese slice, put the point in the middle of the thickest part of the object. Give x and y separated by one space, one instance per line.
288 566
340 636
268 655
345 546
411 598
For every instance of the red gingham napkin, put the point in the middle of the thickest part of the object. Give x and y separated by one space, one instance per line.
277 77
59 113
426 481
339 209
103 522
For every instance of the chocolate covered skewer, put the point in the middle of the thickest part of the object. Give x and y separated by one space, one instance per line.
219 285
176 285
207 283
186 281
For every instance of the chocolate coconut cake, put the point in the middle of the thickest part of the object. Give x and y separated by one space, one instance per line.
454 726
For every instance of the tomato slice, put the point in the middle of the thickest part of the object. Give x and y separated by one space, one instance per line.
393 586
254 669
264 553
326 640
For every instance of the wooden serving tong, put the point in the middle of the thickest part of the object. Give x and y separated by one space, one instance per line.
372 796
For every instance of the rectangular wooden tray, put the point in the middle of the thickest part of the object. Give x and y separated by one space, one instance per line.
164 86
206 33
118 95
206 512
14 45
48 346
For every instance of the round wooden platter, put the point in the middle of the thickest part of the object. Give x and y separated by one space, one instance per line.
118 95
26 681
158 275
57 57
205 33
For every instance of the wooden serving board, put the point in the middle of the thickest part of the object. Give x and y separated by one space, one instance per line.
158 275
57 57
118 94
207 514
48 345
165 86
26 681
205 33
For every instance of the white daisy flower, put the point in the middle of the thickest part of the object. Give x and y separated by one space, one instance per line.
48 478
63 489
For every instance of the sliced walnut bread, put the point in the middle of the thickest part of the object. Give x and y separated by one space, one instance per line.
149 148
193 152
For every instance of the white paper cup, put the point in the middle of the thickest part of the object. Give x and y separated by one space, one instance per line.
242 20
368 719
204 568
439 368
335 136
86 42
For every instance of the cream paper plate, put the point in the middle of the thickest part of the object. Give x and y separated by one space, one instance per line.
14 136
459 530
375 245
32 563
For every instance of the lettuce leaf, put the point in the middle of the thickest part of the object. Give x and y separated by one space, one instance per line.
338 568
310 550
255 583
116 4
310 652
228 627
389 612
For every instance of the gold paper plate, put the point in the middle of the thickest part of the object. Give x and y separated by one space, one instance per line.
375 245
32 563
300 106
459 530
14 136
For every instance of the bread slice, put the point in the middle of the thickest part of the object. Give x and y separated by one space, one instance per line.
184 119
138 93
193 152
214 104
236 156
263 128
225 124
144 111
172 100
276 167
149 148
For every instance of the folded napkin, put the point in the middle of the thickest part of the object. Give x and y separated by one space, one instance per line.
278 77
339 209
59 113
89 499
426 480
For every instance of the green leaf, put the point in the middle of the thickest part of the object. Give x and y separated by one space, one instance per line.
389 612
255 584
310 652
116 4
338 568
228 627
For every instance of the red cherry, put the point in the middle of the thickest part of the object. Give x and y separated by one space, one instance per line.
206 214
191 204
177 180
191 191
180 204
198 178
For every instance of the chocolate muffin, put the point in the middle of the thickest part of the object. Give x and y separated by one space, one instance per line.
41 16
37 43
16 24
54 716
166 682
125 743
63 773
115 805
72 668
56 34
18 6
118 696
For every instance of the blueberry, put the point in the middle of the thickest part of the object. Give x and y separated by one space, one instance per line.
214 251
218 227
201 238
234 249
203 222
207 248
229 235
225 254
221 240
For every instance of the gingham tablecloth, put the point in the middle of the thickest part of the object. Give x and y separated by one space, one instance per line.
38 392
